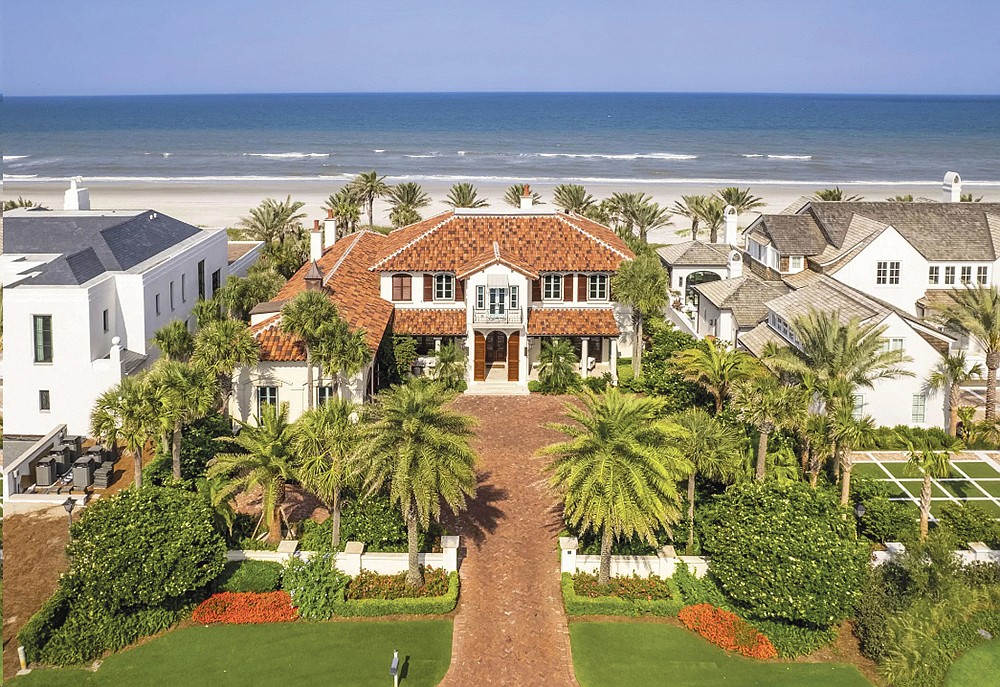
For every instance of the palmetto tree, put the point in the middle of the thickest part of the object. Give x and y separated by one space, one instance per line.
128 414
618 471
716 369
239 295
572 198
902 198
262 458
406 199
19 202
175 341
222 347
514 194
647 217
711 214
952 371
188 392
714 451
690 207
346 209
273 221
327 441
341 351
975 311
967 198
557 365
836 193
928 464
449 366
642 285
741 199
764 403
208 310
464 195
303 316
847 433
622 209
367 187
422 449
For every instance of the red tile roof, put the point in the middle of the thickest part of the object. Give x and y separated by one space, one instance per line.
494 256
429 321
572 322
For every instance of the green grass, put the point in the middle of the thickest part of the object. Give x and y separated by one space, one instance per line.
639 654
977 469
899 469
978 668
300 653
960 488
868 470
992 488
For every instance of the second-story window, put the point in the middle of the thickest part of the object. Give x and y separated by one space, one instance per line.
887 272
201 279
43 338
513 298
552 286
598 290
444 287
480 297
949 275
401 287
933 274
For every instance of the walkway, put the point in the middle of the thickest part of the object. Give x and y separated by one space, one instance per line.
510 628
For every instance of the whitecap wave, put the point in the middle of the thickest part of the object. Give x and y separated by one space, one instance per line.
7 158
752 155
19 177
624 156
789 157
423 155
379 150
286 156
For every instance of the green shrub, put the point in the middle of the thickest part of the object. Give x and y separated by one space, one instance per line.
658 374
371 585
428 605
982 574
886 520
794 640
699 590
652 588
598 384
969 523
316 586
373 520
899 437
535 386
250 576
39 629
576 604
881 598
198 447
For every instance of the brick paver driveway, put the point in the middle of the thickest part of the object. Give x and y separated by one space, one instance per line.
510 628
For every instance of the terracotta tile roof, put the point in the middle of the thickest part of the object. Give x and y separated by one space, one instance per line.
493 256
428 321
276 345
572 322
537 242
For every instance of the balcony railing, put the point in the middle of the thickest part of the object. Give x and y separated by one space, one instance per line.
484 316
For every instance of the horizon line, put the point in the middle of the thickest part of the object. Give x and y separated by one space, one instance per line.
510 92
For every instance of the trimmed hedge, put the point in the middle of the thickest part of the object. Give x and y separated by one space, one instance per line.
39 629
428 605
611 605
250 576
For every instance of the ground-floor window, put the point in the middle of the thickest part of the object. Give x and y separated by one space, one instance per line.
918 413
425 344
324 394
266 395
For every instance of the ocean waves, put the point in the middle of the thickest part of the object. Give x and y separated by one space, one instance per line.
286 156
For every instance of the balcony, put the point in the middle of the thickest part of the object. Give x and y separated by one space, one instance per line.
484 316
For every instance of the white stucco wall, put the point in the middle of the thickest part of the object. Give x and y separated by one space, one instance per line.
290 378
889 246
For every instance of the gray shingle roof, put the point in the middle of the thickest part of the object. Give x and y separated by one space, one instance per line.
827 295
791 234
757 338
694 253
746 296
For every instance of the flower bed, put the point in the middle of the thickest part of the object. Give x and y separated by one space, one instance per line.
370 585
629 596
238 608
424 604
650 588
727 631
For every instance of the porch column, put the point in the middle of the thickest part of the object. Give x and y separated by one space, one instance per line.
584 354
613 360
437 344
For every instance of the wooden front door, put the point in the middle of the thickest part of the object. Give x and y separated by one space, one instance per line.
496 348
513 356
479 362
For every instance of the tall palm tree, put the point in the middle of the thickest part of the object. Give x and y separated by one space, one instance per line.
367 187
622 209
239 295
929 464
836 193
262 458
422 449
714 451
764 403
303 316
741 199
127 413
618 471
327 441
952 371
690 207
711 213
514 194
174 340
346 209
449 366
341 351
647 217
847 433
642 285
975 311
273 221
406 199
464 195
557 365
188 393
572 198
716 369
223 347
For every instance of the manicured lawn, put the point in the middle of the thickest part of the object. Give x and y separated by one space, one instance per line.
638 654
300 653
978 668
977 468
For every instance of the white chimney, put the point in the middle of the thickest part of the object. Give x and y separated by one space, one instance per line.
316 242
526 200
76 197
329 230
735 264
732 219
952 188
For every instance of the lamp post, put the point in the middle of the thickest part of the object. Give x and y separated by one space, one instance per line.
69 504
394 668
859 510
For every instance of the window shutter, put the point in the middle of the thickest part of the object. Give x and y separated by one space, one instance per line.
581 288
428 287
397 287
536 290
567 287
459 289
407 290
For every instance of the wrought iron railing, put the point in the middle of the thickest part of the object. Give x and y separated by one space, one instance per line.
509 316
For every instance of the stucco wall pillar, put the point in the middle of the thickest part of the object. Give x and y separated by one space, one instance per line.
584 354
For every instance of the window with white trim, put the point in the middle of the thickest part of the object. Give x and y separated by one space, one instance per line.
966 274
42 326
480 298
795 263
44 400
323 394
887 272
266 395
858 411
983 275
933 274
444 287
598 289
949 274
918 413
552 286
892 344
513 298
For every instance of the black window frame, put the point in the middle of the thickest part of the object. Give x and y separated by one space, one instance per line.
216 281
44 400
201 279
268 391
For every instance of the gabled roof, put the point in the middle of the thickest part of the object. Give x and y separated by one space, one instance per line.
789 234
746 296
759 337
694 254
494 256
572 322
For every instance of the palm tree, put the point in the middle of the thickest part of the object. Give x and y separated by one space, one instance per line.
263 459
714 451
174 341
406 199
239 295
711 213
449 366
464 195
903 198
847 433
188 393
951 373
836 193
326 442
622 209
367 187
764 403
975 311
340 351
967 198
741 199
690 207
618 471
273 221
19 202
642 285
422 448
557 365
929 464
127 413
716 368
647 217
208 310
346 209
223 347
514 194
303 316
572 198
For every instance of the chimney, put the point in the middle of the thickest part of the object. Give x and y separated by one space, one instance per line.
526 200
76 197
732 229
329 230
314 278
735 263
952 189
316 242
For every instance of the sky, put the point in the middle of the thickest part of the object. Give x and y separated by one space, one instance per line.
115 47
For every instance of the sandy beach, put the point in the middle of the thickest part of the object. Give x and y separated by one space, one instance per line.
221 204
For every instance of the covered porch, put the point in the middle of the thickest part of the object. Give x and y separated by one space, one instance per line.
595 355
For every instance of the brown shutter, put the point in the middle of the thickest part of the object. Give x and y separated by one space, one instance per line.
581 287
407 289
479 367
513 356
536 290
567 287
459 289
428 287
397 287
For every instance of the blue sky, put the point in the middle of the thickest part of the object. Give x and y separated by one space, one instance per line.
60 47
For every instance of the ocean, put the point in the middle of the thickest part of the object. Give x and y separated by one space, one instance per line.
581 137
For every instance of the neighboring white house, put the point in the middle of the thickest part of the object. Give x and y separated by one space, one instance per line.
730 307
